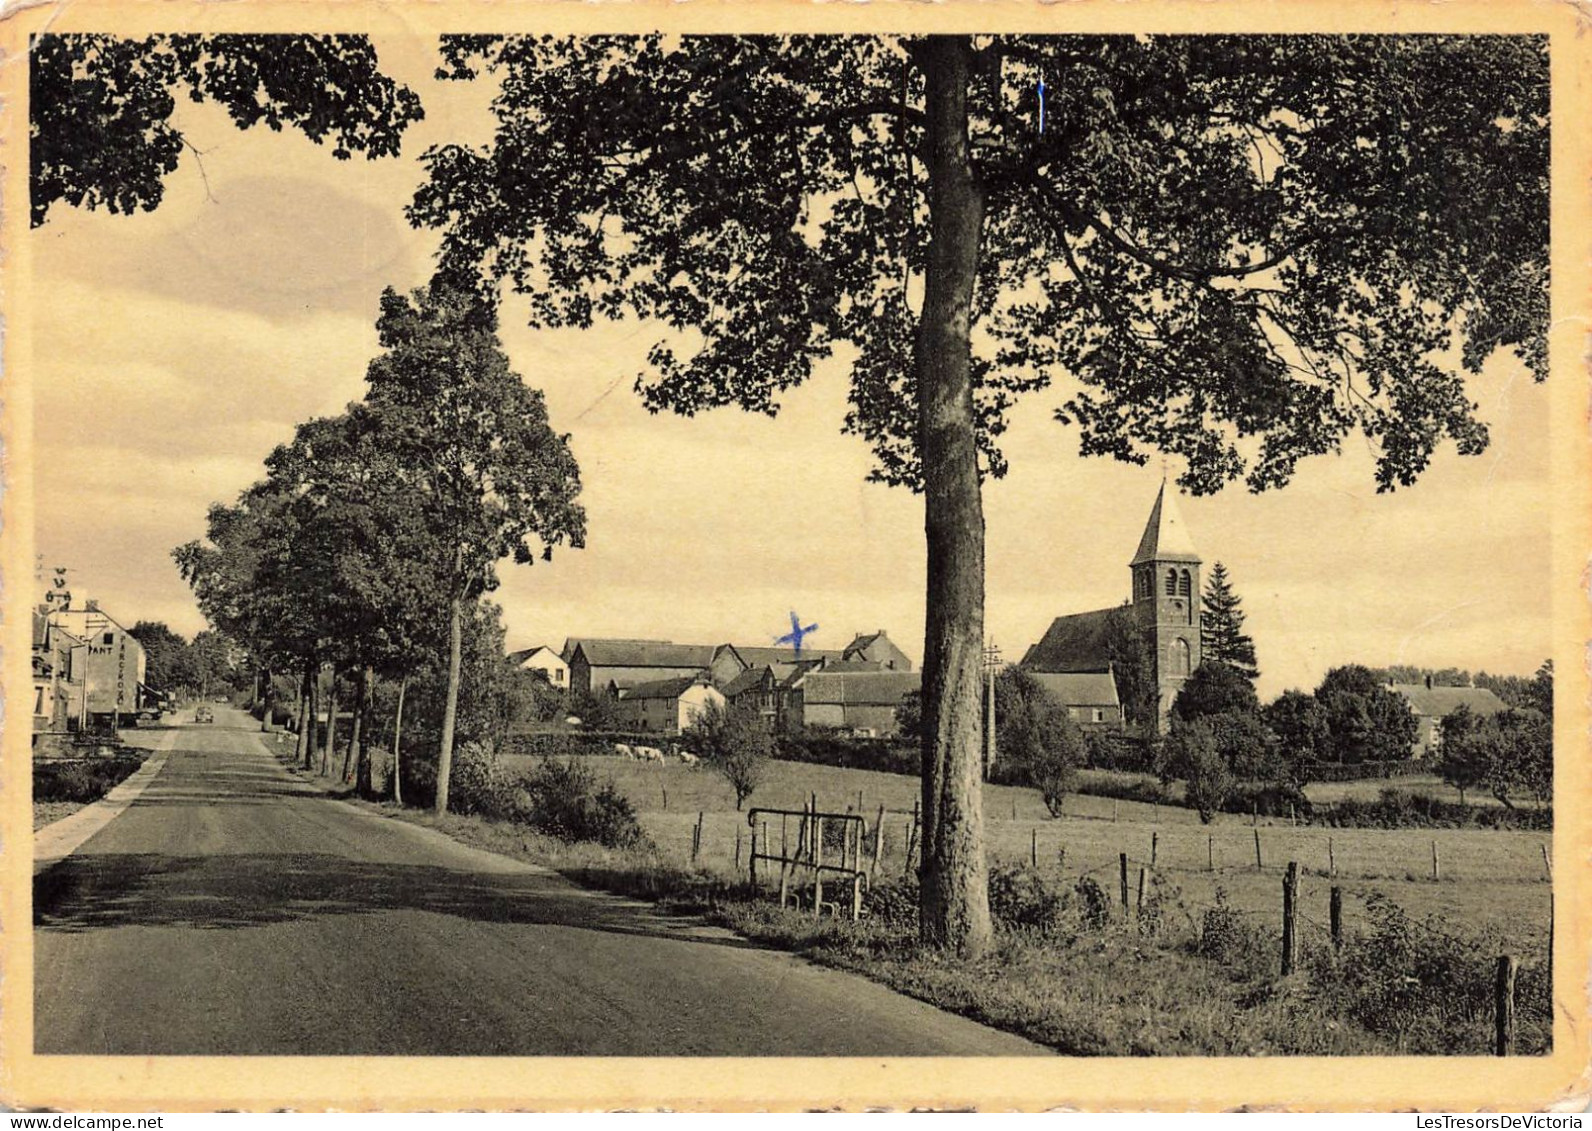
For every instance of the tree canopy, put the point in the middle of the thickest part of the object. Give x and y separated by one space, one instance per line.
100 106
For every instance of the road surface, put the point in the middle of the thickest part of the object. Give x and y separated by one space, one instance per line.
231 909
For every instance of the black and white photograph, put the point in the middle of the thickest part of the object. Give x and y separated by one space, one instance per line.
915 535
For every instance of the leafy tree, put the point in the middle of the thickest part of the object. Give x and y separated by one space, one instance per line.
1365 721
100 107
1036 737
1191 755
165 655
596 710
1247 745
1129 648
1215 688
1227 242
909 716
491 476
736 742
1539 696
1222 635
1466 754
1299 723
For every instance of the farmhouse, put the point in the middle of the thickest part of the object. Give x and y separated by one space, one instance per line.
543 661
862 702
1433 704
1165 575
1090 697
666 706
731 660
595 664
877 648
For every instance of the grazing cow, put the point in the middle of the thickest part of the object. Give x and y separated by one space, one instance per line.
624 751
650 753
689 758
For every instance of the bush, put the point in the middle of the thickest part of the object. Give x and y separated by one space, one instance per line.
1116 750
564 744
1398 809
1021 898
475 782
821 748
82 781
893 903
562 798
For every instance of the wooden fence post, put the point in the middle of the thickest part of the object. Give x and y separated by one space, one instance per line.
1061 859
1155 839
665 799
1437 872
1547 862
1033 847
737 848
696 838
1332 860
1210 852
784 859
1258 864
1122 864
1290 918
1140 903
1335 918
751 859
818 863
878 844
1504 1006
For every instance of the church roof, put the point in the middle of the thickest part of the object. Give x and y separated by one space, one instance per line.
1165 536
1075 643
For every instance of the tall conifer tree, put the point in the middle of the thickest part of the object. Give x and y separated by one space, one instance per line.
1222 635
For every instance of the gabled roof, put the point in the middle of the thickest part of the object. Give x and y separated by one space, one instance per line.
661 688
526 653
643 654
1075 643
755 655
865 689
746 681
1165 537
1440 702
1080 689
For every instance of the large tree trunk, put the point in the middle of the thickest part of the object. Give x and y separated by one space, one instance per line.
362 749
451 703
312 731
397 744
329 751
954 901
300 750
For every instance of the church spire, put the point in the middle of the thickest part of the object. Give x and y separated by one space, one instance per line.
1165 538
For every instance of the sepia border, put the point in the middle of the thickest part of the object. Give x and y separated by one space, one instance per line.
265 1083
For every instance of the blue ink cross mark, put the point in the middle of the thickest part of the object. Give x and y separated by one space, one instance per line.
796 633
1041 105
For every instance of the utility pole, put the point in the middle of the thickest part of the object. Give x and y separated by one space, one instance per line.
992 662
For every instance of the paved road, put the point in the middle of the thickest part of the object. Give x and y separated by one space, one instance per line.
233 910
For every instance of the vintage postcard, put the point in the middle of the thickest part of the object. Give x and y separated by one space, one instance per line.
789 555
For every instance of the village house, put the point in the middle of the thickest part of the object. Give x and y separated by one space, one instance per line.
666 706
1090 697
60 662
543 661
1432 705
731 660
595 664
114 664
877 648
863 703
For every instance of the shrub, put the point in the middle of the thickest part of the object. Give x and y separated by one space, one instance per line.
1233 942
893 903
736 742
1399 809
1094 905
1020 897
561 797
475 781
82 781
890 756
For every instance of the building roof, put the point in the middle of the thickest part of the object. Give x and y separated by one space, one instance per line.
1165 537
643 654
1075 643
755 655
1080 689
1440 702
526 653
745 681
861 689
661 688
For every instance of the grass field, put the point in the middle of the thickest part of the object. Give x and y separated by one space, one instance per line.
1488 877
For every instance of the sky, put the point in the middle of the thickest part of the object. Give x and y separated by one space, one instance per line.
174 349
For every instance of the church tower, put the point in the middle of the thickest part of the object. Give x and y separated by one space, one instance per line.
1166 597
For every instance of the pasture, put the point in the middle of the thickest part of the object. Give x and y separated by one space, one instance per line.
1487 877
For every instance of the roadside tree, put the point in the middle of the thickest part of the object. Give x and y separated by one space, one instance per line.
1224 242
736 742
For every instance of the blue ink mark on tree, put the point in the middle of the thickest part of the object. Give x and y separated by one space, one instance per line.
796 633
1041 105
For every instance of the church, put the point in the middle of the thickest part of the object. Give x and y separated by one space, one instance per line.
1165 577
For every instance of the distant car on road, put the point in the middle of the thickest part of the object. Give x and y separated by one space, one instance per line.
204 715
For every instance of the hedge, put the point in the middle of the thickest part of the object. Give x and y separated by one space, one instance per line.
567 743
885 755
1364 771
